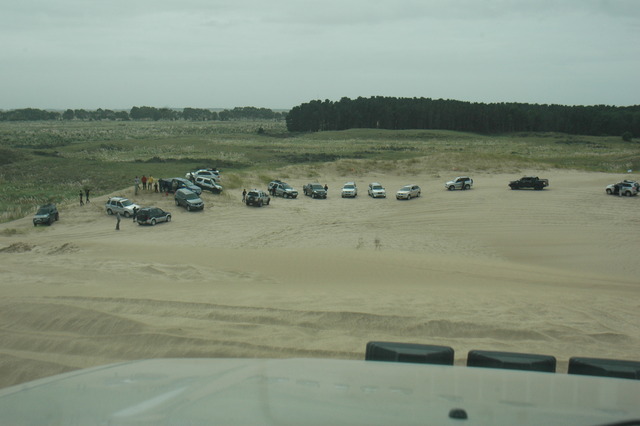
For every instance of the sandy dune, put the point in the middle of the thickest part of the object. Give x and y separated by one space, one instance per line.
552 272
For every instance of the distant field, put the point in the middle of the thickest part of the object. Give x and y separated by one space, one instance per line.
42 161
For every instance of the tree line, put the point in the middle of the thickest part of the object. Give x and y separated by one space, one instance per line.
143 113
425 113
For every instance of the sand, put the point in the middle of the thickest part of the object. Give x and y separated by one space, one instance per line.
552 272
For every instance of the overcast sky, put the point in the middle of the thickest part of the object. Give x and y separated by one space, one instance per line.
117 54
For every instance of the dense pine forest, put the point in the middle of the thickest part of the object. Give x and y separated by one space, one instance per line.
389 113
424 113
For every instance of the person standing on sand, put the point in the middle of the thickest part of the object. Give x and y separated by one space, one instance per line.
155 187
326 188
244 195
144 182
86 195
135 214
117 221
81 203
136 185
150 183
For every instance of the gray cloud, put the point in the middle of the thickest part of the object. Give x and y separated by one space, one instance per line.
117 54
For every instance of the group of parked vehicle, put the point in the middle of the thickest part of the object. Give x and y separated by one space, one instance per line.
187 192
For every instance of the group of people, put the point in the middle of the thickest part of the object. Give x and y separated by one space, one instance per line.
148 184
86 197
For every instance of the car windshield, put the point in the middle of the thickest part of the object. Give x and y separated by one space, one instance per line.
406 188
191 196
286 186
43 210
253 193
348 187
378 187
126 203
317 186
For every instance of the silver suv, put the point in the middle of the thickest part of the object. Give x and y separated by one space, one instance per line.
282 189
121 205
349 190
256 197
188 199
208 183
461 182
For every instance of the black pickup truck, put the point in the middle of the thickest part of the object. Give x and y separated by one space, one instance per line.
529 182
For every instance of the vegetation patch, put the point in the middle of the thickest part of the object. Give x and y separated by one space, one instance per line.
106 156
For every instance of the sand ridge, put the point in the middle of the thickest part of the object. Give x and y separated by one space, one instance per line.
552 272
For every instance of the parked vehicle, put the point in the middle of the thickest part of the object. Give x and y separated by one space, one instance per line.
188 199
46 215
627 188
408 192
121 205
176 183
257 197
208 184
461 182
152 215
531 182
210 173
282 189
376 190
314 190
349 190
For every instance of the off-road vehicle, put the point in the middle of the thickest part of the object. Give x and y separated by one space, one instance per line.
461 182
282 189
531 182
314 190
152 215
208 184
256 197
121 205
188 199
46 214
349 190
627 188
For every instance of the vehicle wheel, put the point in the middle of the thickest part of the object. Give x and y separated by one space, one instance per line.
127 214
609 191
628 193
177 203
153 222
260 203
109 212
188 208
467 186
418 194
452 187
268 201
35 224
169 218
50 221
409 197
57 217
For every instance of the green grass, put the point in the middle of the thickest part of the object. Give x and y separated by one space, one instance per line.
52 161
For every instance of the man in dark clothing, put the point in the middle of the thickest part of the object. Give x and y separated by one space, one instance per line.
86 195
81 203
135 214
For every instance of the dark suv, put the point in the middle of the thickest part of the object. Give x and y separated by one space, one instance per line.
256 197
152 215
46 214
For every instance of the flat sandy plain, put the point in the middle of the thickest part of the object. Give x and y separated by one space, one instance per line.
552 272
